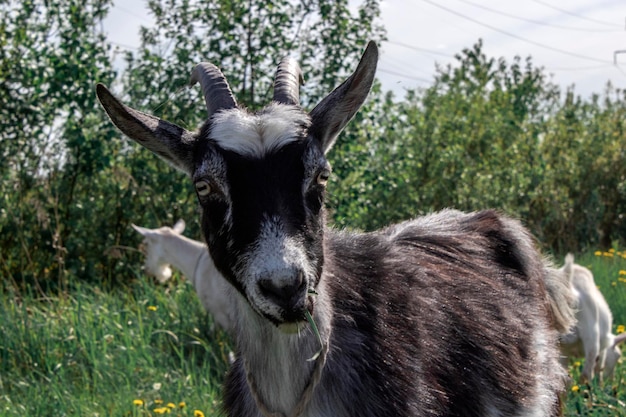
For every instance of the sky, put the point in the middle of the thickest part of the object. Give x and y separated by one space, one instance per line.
577 42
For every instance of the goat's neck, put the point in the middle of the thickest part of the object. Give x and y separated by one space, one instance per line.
280 366
184 254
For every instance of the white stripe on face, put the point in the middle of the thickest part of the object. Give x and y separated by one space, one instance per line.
256 134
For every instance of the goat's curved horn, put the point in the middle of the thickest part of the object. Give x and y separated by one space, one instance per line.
217 94
619 339
287 82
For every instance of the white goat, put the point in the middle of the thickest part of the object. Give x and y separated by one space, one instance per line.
592 337
167 246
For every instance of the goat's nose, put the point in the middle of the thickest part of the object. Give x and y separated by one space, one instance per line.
288 293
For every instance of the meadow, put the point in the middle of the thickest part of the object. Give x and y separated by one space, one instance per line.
141 350
145 349
83 332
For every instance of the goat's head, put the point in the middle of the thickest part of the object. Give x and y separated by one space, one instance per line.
152 247
260 180
613 355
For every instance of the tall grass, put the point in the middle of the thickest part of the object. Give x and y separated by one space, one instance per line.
92 353
146 350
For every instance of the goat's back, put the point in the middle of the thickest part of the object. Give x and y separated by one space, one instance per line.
445 315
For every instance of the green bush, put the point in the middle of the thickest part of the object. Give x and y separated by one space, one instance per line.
486 134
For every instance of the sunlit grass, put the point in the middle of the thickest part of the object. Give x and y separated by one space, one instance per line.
94 353
148 350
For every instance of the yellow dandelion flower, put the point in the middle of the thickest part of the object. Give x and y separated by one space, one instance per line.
161 410
198 413
171 405
182 404
612 250
159 401
575 388
138 403
152 308
622 272
621 329
607 254
577 364
598 253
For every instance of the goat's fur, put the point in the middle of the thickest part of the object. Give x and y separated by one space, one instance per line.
451 314
592 337
167 246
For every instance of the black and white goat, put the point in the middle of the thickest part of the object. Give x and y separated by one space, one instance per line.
167 246
592 337
444 315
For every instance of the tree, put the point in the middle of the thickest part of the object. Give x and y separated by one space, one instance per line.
582 198
492 134
51 56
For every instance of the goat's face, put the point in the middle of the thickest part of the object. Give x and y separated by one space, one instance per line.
152 248
260 180
613 355
154 264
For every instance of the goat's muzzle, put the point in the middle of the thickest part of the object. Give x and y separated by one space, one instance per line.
284 299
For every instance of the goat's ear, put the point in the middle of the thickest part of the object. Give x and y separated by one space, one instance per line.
179 227
167 140
142 230
334 112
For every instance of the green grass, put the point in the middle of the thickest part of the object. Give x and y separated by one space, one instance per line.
96 353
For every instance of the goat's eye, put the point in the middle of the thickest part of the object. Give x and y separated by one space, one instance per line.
203 188
322 177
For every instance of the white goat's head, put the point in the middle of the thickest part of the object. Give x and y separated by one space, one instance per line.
613 355
155 263
260 179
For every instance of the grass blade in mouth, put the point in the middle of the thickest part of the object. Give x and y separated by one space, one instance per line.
317 334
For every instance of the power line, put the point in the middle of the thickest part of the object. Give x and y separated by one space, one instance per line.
615 25
395 64
536 22
551 48
419 49
587 68
121 45
615 60
616 53
411 77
